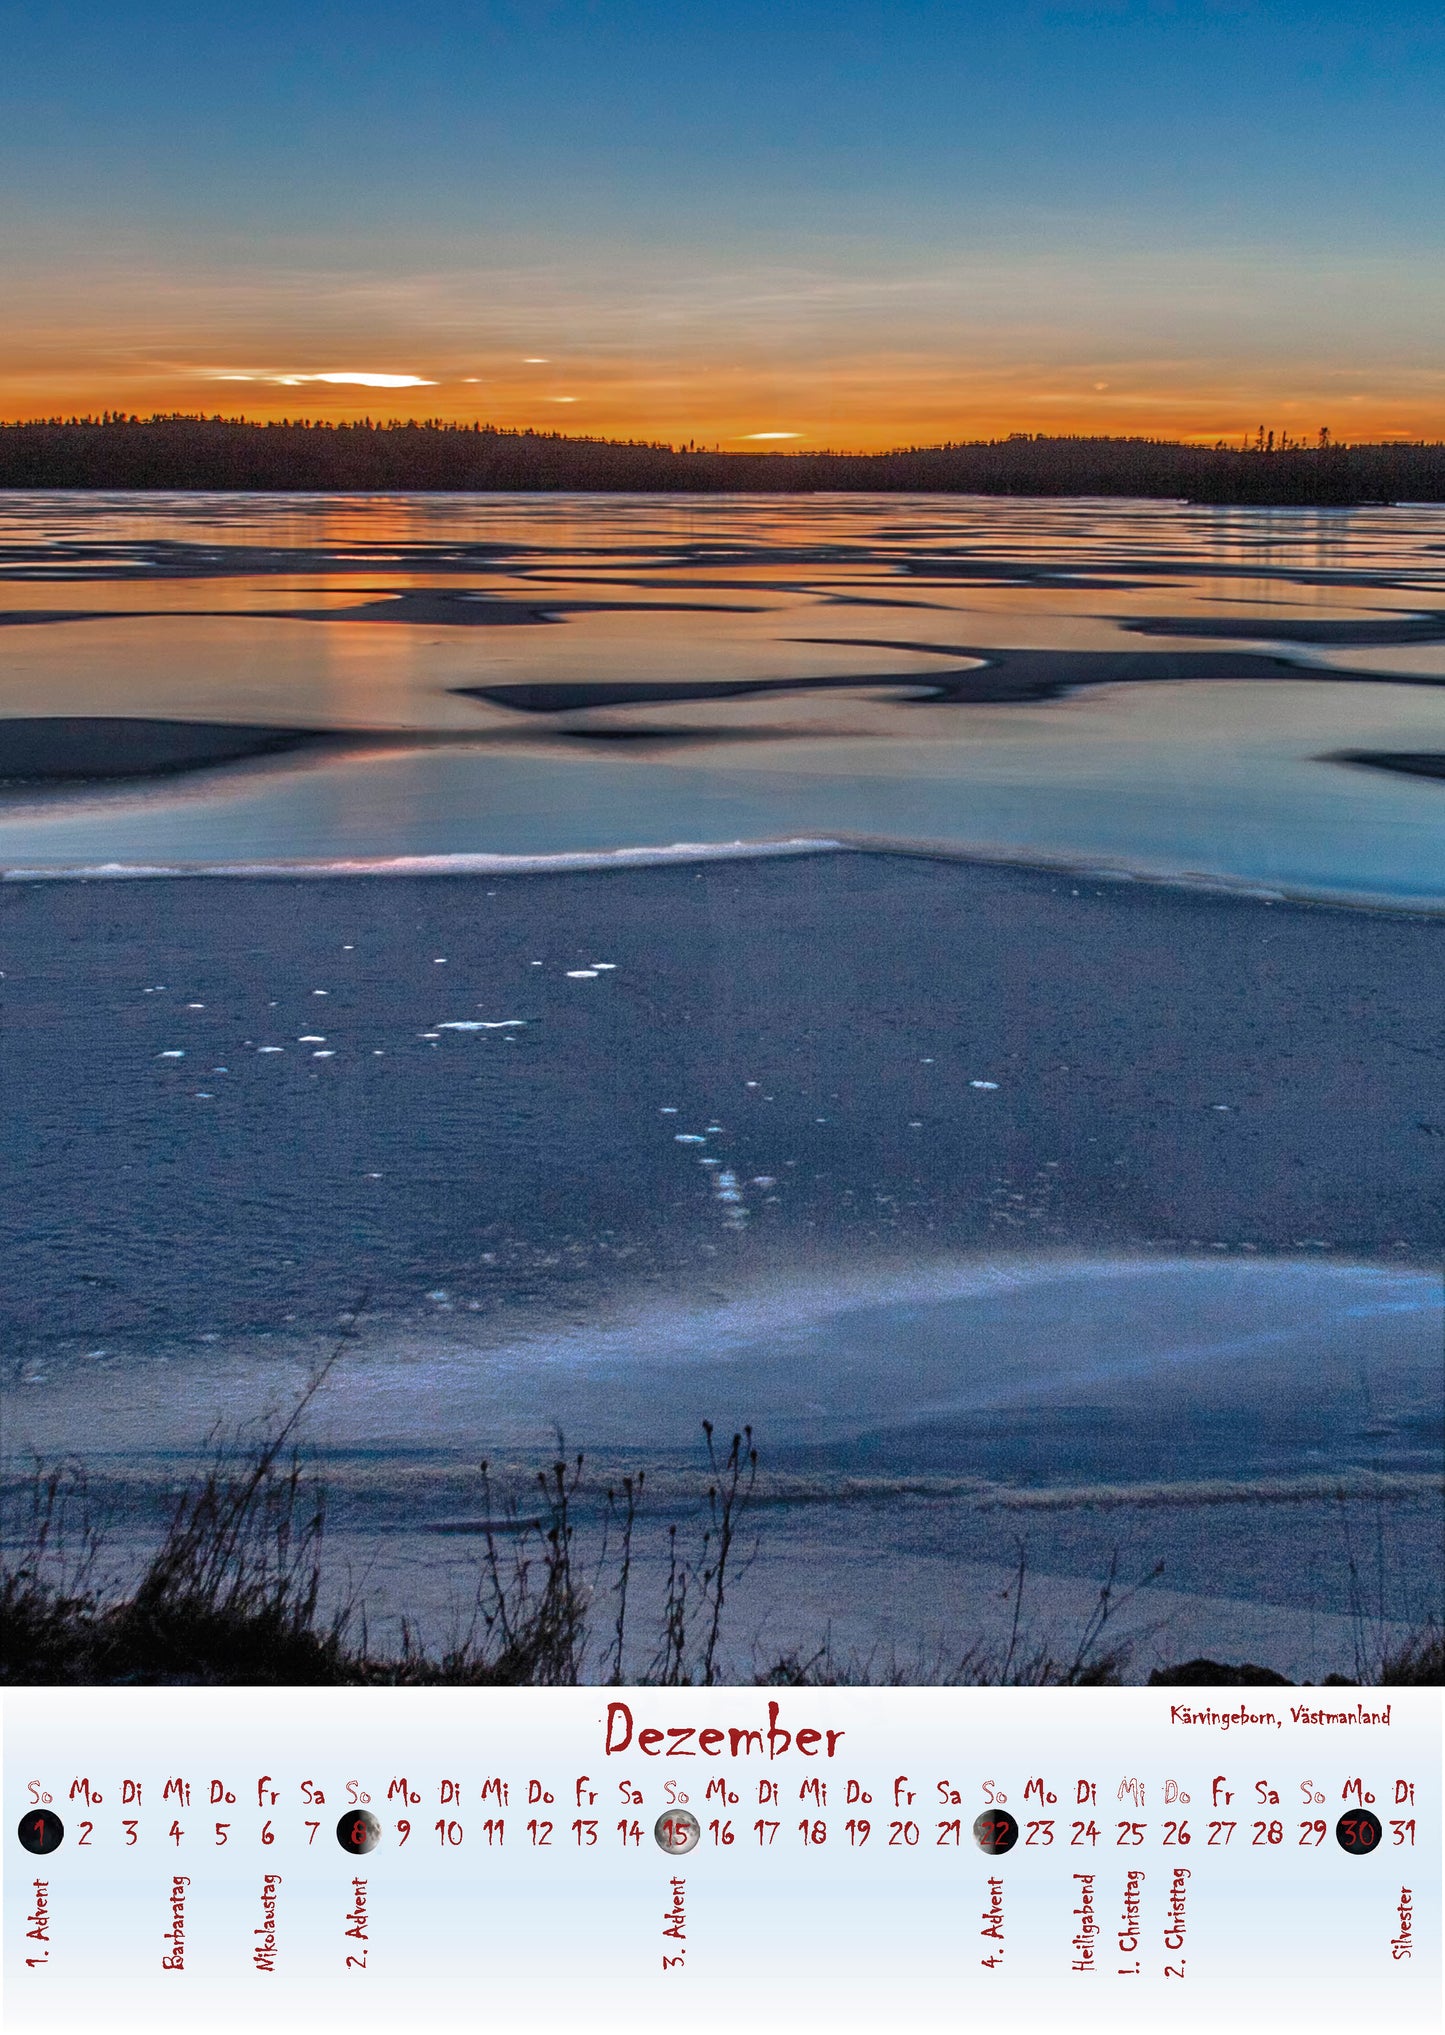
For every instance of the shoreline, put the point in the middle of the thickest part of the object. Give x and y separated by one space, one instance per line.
602 860
232 455
915 1579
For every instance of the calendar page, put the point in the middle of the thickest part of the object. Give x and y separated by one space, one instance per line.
722 1015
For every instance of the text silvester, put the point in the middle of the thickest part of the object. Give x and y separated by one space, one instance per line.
686 1741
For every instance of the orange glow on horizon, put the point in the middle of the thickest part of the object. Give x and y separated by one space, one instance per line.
849 406
1358 427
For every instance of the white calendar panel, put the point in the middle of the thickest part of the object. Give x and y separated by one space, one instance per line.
752 1858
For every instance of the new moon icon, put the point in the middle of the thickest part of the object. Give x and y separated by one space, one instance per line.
995 1832
41 1831
1359 1832
677 1831
358 1831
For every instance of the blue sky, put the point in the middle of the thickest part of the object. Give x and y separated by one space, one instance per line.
873 218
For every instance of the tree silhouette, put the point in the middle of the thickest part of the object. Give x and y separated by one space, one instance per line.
115 451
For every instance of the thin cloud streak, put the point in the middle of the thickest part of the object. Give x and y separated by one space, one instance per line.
293 381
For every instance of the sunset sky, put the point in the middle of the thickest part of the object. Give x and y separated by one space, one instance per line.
860 223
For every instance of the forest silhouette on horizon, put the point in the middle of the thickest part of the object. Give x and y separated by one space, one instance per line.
185 453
